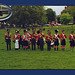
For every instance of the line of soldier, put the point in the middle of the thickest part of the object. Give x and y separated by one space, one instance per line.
32 38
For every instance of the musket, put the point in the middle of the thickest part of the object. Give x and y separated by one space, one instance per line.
74 37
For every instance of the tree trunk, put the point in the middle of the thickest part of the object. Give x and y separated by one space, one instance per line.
73 19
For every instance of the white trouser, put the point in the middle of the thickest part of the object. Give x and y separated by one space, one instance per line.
16 44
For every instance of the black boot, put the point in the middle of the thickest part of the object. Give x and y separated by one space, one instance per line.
23 48
54 49
49 48
38 47
63 49
26 48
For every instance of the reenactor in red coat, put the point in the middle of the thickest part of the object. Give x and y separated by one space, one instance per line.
63 36
56 40
72 40
25 39
8 39
33 39
16 39
40 41
57 25
51 26
20 41
29 34
48 40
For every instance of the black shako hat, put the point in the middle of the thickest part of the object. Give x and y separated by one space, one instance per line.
56 30
38 32
32 28
7 29
28 28
63 30
43 29
24 30
72 31
48 31
16 31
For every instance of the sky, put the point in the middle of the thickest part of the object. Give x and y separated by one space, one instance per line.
57 9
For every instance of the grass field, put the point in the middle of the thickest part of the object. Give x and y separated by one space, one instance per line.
37 59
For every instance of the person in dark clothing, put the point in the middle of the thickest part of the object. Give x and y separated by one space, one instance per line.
33 39
56 40
63 37
20 41
72 40
48 40
8 39
41 40
16 39
29 34
25 39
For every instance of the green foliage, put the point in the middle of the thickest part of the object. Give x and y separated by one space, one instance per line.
58 18
66 18
71 11
64 11
50 15
28 15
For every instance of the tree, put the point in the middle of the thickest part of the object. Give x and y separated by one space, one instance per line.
50 15
65 18
64 11
58 18
23 15
71 11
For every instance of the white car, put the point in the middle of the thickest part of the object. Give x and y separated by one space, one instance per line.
58 24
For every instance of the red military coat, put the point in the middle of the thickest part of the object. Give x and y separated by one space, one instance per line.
56 36
71 36
47 37
39 35
25 37
36 36
63 35
16 37
6 36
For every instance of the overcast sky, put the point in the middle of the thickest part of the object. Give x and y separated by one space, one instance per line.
57 9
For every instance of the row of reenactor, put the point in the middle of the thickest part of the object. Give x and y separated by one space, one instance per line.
39 38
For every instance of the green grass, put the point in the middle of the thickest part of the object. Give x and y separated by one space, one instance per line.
37 59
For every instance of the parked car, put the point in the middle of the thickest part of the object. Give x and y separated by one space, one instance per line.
36 25
70 23
47 25
58 24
